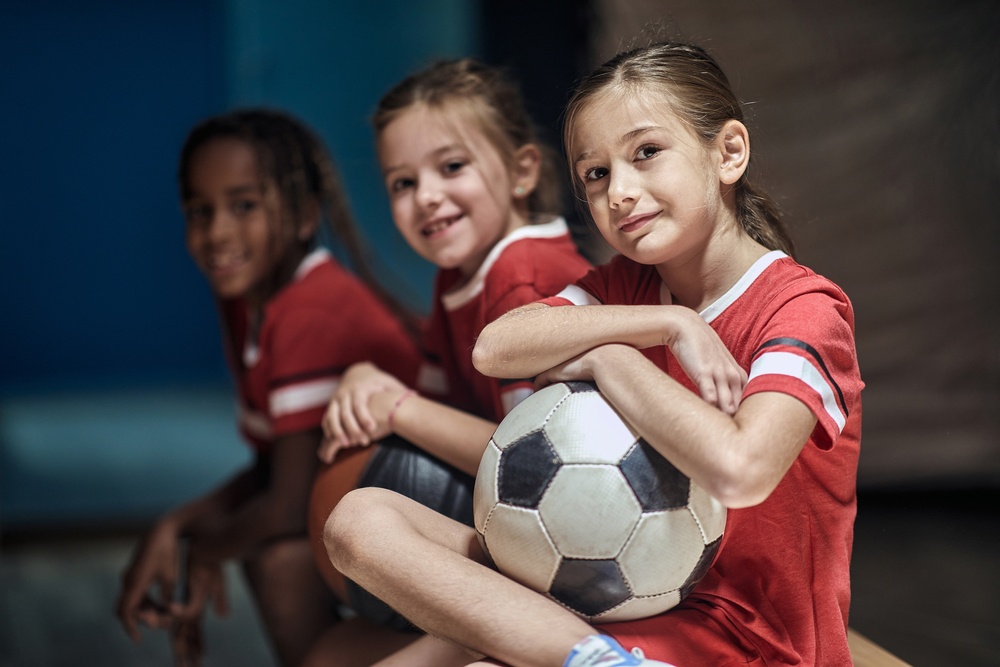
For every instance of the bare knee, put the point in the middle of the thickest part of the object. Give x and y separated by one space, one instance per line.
353 521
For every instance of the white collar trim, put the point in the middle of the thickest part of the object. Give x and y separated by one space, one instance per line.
457 298
311 261
737 290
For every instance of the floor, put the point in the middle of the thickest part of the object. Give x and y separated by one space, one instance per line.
926 587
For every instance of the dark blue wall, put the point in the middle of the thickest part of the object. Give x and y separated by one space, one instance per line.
97 98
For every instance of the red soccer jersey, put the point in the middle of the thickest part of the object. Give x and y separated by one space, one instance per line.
323 321
530 263
779 591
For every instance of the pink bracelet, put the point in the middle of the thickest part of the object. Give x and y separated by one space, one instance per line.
399 401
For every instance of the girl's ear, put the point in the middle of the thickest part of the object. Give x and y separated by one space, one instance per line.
310 221
525 172
733 144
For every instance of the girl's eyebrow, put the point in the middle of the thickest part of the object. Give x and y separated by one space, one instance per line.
624 139
437 152
242 189
235 190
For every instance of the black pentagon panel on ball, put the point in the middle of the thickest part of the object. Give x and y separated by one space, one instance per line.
580 386
526 469
701 569
655 481
589 587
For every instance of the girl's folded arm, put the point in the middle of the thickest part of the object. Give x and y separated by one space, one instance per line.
536 337
738 459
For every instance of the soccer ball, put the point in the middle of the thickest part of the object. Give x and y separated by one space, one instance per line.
572 503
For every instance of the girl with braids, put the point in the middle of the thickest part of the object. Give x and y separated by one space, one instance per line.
256 187
659 153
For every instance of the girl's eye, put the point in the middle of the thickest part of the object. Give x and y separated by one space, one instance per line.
244 206
646 152
595 174
452 166
400 184
197 214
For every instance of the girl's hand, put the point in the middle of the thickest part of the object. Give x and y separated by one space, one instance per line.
154 565
353 418
577 368
205 584
707 362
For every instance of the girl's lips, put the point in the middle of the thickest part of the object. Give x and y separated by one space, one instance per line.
226 264
435 227
634 222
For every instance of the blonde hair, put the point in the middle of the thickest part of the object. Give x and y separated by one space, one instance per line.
486 95
700 94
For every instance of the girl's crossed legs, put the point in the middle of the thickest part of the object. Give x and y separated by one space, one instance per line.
432 570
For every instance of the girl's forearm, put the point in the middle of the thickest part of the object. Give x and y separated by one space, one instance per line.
739 459
206 513
534 338
456 437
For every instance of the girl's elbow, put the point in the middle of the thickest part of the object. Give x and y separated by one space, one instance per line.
742 487
484 357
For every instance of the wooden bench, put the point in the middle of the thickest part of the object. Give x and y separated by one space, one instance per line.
867 653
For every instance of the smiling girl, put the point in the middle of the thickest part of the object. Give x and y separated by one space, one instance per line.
256 187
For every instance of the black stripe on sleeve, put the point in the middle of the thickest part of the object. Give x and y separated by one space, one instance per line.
794 342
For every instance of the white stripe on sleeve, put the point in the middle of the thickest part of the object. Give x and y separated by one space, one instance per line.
792 365
578 296
302 396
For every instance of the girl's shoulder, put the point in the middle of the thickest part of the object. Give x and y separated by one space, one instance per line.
785 278
778 288
542 256
622 281
325 288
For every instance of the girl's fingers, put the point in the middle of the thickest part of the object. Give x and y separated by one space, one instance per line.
355 435
331 421
709 392
328 450
366 422
127 610
332 427
726 401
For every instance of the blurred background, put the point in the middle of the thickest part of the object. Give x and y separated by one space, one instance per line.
876 126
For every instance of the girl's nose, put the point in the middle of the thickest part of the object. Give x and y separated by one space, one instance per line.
429 194
622 187
219 226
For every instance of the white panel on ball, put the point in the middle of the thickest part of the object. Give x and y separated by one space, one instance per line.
664 550
485 492
586 429
709 512
593 524
529 415
516 538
